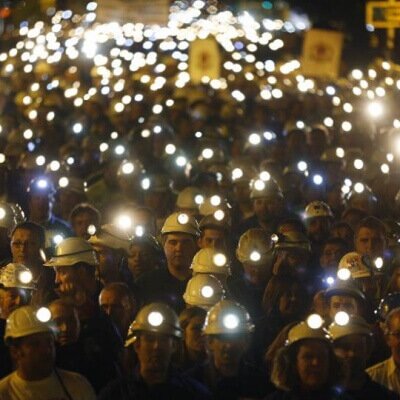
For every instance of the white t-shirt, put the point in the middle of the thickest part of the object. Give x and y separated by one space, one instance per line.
13 387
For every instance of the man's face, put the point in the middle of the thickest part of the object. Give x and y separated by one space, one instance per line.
352 350
25 247
343 303
81 222
35 354
212 238
117 307
108 261
39 207
256 274
331 255
312 363
10 299
267 207
370 242
393 337
179 250
140 259
154 351
227 350
194 340
318 228
67 322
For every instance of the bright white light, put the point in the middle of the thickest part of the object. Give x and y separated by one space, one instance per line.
231 321
119 150
358 163
265 176
347 126
317 179
183 219
385 168
219 259
344 274
259 185
42 184
215 200
379 262
314 321
145 184
155 318
254 139
77 128
302 166
91 230
170 148
330 280
57 239
342 318
181 161
55 165
255 256
25 277
63 182
28 134
40 160
359 187
43 314
219 215
357 74
124 222
328 121
199 199
340 152
127 168
207 153
375 109
2 213
237 173
207 291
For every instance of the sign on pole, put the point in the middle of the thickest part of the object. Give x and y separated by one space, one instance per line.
383 14
154 12
204 60
322 52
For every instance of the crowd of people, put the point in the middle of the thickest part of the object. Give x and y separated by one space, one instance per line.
164 240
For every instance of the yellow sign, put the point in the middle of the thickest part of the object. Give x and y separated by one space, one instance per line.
383 14
322 52
204 60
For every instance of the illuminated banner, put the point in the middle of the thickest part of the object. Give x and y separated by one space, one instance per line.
204 60
322 52
154 12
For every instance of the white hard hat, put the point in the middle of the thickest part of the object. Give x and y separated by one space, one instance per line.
227 317
344 288
210 261
180 223
354 262
72 251
156 318
111 236
190 198
27 320
317 209
345 325
204 291
16 276
255 246
312 328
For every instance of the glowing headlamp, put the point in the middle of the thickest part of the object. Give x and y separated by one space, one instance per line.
231 321
183 219
314 321
43 314
344 274
342 318
155 318
2 213
25 277
207 291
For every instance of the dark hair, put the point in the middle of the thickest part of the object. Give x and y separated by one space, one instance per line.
87 208
338 241
33 227
371 223
123 290
189 313
276 288
284 371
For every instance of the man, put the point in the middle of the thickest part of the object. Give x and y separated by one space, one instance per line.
155 335
75 264
82 216
118 302
333 249
31 341
213 233
27 245
112 246
387 373
353 341
40 210
179 235
228 329
344 296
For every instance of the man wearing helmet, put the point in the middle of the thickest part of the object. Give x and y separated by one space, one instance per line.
155 335
179 236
